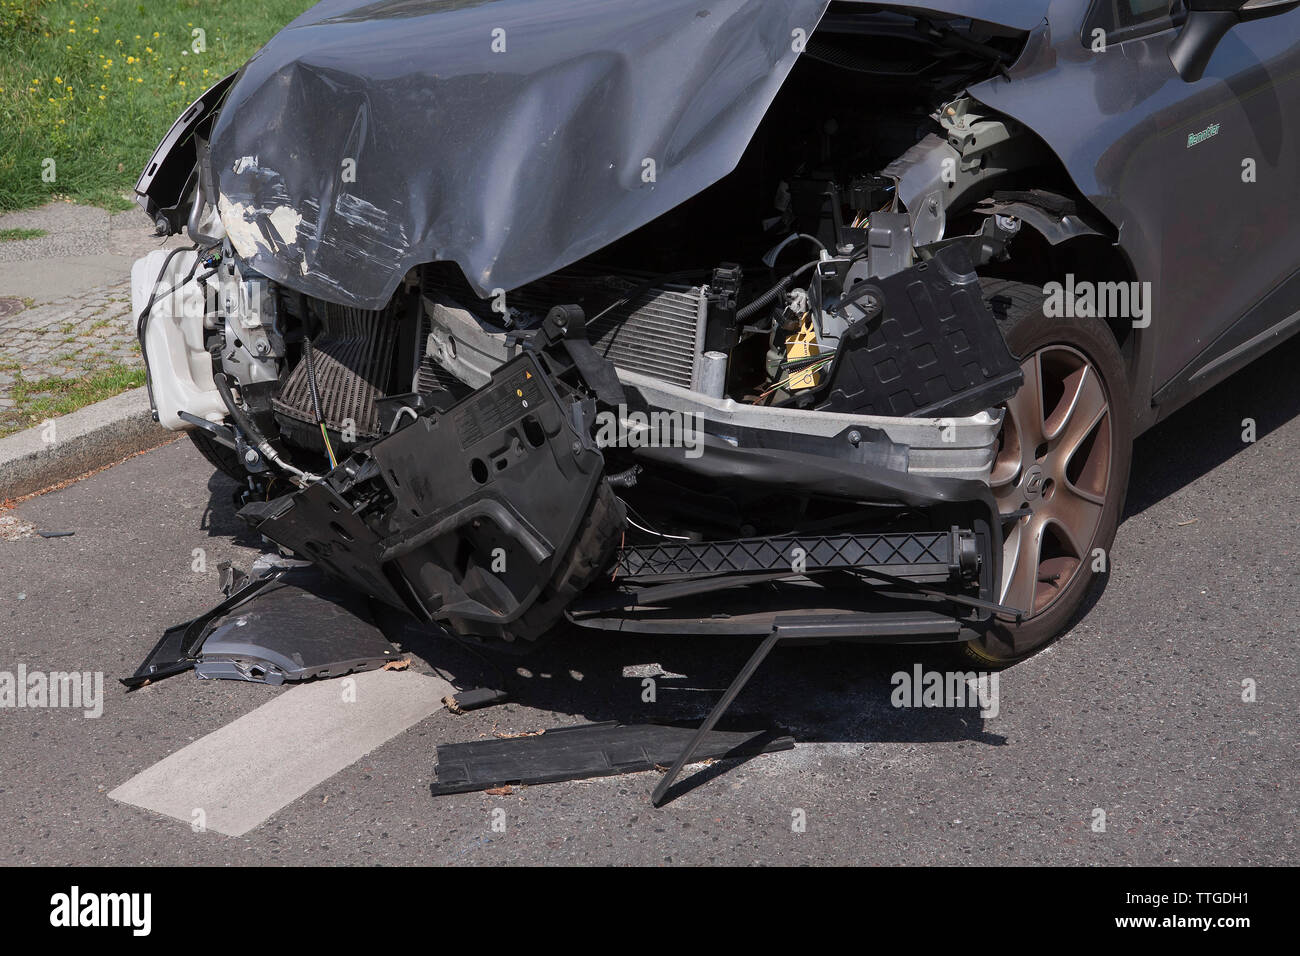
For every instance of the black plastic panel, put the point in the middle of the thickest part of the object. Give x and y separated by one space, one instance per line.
923 343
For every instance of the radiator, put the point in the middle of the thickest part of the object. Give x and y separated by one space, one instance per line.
353 357
658 332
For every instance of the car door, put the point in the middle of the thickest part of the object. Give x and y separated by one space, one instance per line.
1230 195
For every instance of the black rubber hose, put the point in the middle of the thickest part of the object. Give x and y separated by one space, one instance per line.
144 313
771 295
246 424
624 479
311 380
142 321
236 412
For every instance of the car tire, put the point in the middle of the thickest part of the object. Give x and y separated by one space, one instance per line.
222 458
1062 466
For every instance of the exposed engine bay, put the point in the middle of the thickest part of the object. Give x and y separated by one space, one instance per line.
779 397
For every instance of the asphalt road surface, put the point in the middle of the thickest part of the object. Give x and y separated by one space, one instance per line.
1137 713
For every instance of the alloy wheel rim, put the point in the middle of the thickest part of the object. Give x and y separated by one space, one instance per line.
1051 476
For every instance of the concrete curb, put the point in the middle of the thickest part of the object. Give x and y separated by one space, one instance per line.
83 441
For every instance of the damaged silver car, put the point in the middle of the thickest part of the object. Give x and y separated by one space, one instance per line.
722 316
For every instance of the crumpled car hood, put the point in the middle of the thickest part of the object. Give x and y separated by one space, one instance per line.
512 137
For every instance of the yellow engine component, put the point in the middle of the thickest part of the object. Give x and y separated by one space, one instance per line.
801 345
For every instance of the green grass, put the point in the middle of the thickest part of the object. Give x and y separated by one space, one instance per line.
36 401
12 235
94 85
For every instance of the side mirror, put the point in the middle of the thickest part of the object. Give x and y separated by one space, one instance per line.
1207 23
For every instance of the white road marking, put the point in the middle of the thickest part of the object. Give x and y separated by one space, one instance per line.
251 768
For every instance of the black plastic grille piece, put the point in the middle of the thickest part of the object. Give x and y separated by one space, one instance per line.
930 554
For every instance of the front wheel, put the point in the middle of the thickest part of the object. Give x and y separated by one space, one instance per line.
1061 472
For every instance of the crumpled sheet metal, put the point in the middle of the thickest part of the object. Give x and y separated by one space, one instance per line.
512 164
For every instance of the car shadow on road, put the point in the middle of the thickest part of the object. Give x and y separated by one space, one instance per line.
220 517
832 693
828 694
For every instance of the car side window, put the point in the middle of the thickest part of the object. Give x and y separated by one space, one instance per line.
1120 20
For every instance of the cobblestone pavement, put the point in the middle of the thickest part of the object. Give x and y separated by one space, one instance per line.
68 338
65 297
